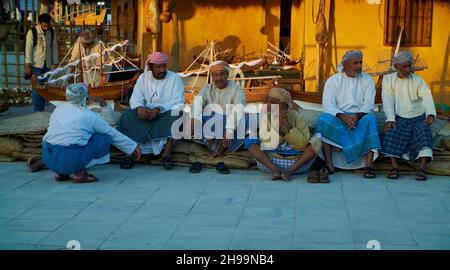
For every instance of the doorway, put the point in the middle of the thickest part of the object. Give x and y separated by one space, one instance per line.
285 25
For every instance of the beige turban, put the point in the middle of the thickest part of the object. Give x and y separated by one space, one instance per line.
219 66
281 94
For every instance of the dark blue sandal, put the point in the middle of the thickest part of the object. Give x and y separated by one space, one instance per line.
127 163
167 163
222 168
196 167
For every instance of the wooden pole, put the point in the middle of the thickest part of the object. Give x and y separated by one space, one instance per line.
81 63
33 14
5 64
25 14
101 65
176 41
18 48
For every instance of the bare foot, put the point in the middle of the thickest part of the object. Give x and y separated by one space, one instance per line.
276 176
286 175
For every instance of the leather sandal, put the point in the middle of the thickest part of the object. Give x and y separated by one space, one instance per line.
84 177
313 177
196 167
62 177
35 164
394 173
222 168
369 172
322 176
167 163
421 175
127 163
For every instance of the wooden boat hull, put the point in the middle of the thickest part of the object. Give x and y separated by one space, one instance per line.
317 98
108 91
260 95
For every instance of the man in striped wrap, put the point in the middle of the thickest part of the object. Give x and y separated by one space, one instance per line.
409 108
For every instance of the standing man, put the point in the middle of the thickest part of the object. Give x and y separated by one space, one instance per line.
41 52
409 108
86 45
347 122
149 121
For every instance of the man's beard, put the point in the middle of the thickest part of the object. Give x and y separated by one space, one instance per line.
161 75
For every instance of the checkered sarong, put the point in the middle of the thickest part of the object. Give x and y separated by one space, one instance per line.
283 164
283 157
409 137
355 142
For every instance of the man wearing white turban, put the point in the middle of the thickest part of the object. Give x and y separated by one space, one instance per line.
219 95
78 138
409 109
347 122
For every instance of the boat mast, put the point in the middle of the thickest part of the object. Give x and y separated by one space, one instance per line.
81 62
101 64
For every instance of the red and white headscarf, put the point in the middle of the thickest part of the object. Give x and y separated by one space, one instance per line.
157 58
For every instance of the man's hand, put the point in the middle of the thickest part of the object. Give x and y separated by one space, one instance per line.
429 120
152 114
28 70
389 125
142 113
285 126
99 100
137 152
349 120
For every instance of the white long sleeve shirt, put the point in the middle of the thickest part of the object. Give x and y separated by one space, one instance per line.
43 52
79 51
150 93
71 124
407 98
232 94
348 94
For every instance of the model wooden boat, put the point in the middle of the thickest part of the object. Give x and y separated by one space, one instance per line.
107 91
256 89
110 85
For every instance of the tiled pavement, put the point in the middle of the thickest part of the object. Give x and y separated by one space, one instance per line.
150 208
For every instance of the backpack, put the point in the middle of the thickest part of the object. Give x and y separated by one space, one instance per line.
34 32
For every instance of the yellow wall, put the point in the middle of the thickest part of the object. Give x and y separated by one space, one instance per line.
248 25
359 25
240 25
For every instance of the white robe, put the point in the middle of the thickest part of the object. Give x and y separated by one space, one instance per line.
348 94
166 94
343 94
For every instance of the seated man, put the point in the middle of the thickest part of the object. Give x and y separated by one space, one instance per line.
293 150
86 45
78 138
220 93
347 122
149 121
409 108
